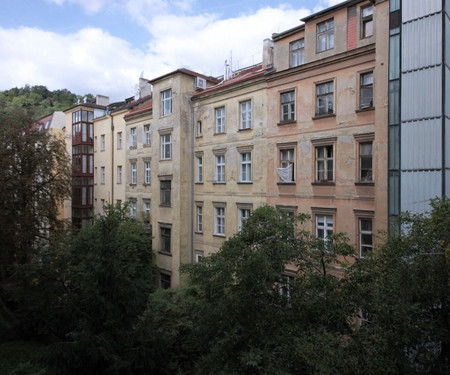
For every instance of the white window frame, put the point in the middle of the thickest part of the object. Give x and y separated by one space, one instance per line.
325 98
199 219
199 169
325 35
366 19
322 173
199 129
166 102
365 173
366 90
133 137
103 175
243 214
103 207
246 114
147 208
147 173
119 140
102 142
287 106
133 173
219 221
147 135
133 209
220 120
166 146
219 170
245 166
286 162
297 52
119 174
363 236
324 223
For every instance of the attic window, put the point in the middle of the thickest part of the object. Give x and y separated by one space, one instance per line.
47 124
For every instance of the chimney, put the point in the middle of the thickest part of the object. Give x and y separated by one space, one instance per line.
267 53
102 100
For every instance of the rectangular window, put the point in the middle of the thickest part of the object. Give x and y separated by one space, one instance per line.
324 226
199 128
243 213
288 106
198 257
133 209
103 208
147 138
133 138
284 286
366 91
325 35
220 169
246 114
146 211
199 219
367 21
95 143
166 146
102 142
219 221
286 170
365 162
133 173
165 281
103 175
166 189
119 174
95 175
165 239
147 173
365 237
324 164
220 120
119 140
166 102
325 98
245 174
199 169
297 50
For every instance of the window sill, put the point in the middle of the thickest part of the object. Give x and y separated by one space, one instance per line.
364 109
132 148
221 133
286 183
325 183
164 253
199 136
198 232
219 235
364 183
244 182
287 122
244 129
147 185
131 184
165 205
147 145
326 115
219 182
165 159
118 148
199 182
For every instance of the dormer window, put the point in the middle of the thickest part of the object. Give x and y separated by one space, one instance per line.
325 35
297 50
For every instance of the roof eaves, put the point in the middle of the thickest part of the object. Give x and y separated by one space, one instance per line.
343 4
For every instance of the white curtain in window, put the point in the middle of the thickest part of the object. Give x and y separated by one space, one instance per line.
285 173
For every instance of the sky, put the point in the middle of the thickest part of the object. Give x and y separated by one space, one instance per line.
104 46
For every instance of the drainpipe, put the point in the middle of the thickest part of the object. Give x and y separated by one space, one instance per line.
112 154
192 179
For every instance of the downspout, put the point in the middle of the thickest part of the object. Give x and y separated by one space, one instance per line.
192 179
112 158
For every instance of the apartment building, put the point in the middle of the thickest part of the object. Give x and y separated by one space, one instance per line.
327 121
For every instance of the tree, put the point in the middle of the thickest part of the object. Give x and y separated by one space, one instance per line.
35 179
403 292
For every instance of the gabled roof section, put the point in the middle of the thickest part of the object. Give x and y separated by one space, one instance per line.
330 9
187 72
238 77
141 106
284 34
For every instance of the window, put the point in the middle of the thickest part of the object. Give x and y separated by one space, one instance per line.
198 257
199 219
220 169
324 226
243 213
166 102
246 114
220 120
103 208
219 221
285 286
147 173
325 35
133 173
166 146
365 162
119 140
365 237
297 50
199 169
165 239
95 143
366 91
367 21
199 128
286 170
95 175
146 211
325 98
165 280
133 209
147 139
119 174
102 142
166 188
245 174
133 140
103 175
324 163
288 106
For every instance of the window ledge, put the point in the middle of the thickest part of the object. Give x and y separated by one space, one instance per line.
364 109
199 182
244 129
219 235
221 133
132 148
286 183
164 253
327 183
147 184
131 184
165 159
287 122
245 182
199 136
326 115
165 205
147 145
364 183
198 232
219 182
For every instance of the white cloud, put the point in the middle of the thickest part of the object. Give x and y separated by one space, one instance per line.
89 6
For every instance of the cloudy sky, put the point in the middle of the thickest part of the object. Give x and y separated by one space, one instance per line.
102 46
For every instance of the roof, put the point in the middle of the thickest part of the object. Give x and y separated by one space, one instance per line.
88 105
146 106
342 4
238 77
286 33
184 71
